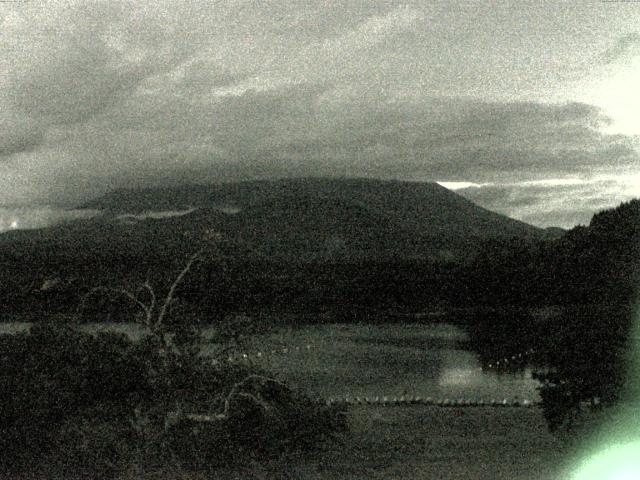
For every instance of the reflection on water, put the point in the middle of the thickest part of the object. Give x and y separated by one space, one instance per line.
461 375
477 383
394 360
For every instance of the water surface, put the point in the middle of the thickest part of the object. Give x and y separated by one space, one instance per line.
338 360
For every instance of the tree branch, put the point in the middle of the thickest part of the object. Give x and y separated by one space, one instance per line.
174 417
152 306
169 298
119 292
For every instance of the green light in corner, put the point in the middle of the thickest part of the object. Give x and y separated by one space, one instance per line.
618 457
619 462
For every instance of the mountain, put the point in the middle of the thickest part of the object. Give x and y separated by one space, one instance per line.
305 219
287 245
422 203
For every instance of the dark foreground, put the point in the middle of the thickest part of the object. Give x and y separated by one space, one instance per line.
417 442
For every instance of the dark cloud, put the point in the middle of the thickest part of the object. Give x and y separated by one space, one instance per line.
18 136
453 140
80 60
304 130
99 95
626 46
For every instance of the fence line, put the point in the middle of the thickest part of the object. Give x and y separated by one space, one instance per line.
428 401
389 401
259 355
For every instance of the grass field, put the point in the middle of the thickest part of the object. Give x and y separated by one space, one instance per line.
428 443
420 443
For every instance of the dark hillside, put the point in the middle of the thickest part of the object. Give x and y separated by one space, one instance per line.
326 243
303 219
419 204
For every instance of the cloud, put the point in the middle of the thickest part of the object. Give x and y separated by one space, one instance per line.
307 130
451 140
100 95
556 202
69 61
375 30
18 135
625 47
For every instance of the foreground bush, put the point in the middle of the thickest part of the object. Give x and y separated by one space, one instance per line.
584 365
101 405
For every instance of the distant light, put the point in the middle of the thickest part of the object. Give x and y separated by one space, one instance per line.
14 224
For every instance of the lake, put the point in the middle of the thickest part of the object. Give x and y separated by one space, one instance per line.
362 360
432 360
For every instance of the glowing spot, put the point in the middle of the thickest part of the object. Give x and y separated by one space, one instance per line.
619 457
461 185
620 462
615 93
458 376
14 224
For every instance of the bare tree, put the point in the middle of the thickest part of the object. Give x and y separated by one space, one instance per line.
145 298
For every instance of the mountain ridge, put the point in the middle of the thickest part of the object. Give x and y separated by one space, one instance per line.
392 195
302 218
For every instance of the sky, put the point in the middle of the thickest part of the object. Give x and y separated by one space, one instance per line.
529 108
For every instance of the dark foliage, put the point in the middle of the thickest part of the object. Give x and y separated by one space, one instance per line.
497 333
570 299
587 349
595 264
74 403
584 362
